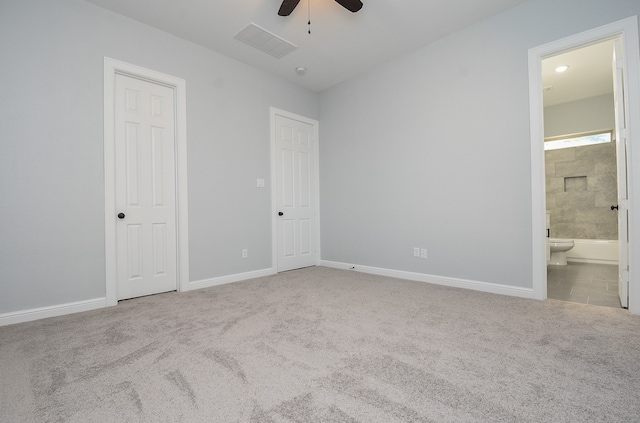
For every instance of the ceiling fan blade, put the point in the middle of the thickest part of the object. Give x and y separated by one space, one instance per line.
287 7
351 5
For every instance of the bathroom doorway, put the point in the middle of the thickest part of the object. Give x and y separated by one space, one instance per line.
581 189
626 31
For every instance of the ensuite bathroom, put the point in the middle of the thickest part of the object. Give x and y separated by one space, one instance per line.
581 172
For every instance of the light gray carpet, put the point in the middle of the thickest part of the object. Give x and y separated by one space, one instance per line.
322 344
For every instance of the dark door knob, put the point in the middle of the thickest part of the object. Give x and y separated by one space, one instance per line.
614 207
280 214
120 215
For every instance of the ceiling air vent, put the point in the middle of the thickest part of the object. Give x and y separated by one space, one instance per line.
265 41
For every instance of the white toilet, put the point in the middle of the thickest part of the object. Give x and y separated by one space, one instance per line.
559 248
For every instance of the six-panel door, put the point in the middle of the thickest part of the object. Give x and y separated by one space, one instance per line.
145 187
295 193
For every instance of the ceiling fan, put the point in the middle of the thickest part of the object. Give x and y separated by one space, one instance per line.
288 5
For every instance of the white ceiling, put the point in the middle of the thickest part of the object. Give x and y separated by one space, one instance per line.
341 44
590 74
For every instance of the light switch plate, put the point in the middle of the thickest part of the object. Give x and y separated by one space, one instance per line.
260 183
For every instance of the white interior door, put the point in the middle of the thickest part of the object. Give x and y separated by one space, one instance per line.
295 190
145 187
621 153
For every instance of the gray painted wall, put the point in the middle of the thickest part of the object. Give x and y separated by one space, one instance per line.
51 161
432 149
587 115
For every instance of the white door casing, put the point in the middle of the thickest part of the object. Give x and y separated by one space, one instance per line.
627 31
621 155
295 191
114 69
145 187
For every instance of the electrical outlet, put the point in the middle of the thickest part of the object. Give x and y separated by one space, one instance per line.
245 253
416 252
423 253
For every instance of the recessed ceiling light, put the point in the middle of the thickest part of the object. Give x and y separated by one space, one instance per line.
562 68
301 70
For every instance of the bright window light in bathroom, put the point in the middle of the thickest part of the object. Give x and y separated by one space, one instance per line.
580 140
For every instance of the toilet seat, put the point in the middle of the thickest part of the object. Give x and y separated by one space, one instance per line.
561 242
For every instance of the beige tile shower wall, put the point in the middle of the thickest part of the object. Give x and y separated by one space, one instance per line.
581 187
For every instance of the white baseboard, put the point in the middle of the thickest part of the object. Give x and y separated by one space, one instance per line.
76 307
69 308
206 283
51 311
493 288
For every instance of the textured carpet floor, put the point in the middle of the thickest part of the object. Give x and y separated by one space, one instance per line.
325 345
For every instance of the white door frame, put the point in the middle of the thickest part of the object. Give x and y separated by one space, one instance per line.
627 31
274 224
111 68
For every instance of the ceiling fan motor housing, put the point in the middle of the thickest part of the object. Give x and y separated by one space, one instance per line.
287 6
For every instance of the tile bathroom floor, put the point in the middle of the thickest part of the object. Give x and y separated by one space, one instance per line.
584 283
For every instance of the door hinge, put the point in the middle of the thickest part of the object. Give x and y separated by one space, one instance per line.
624 273
622 132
